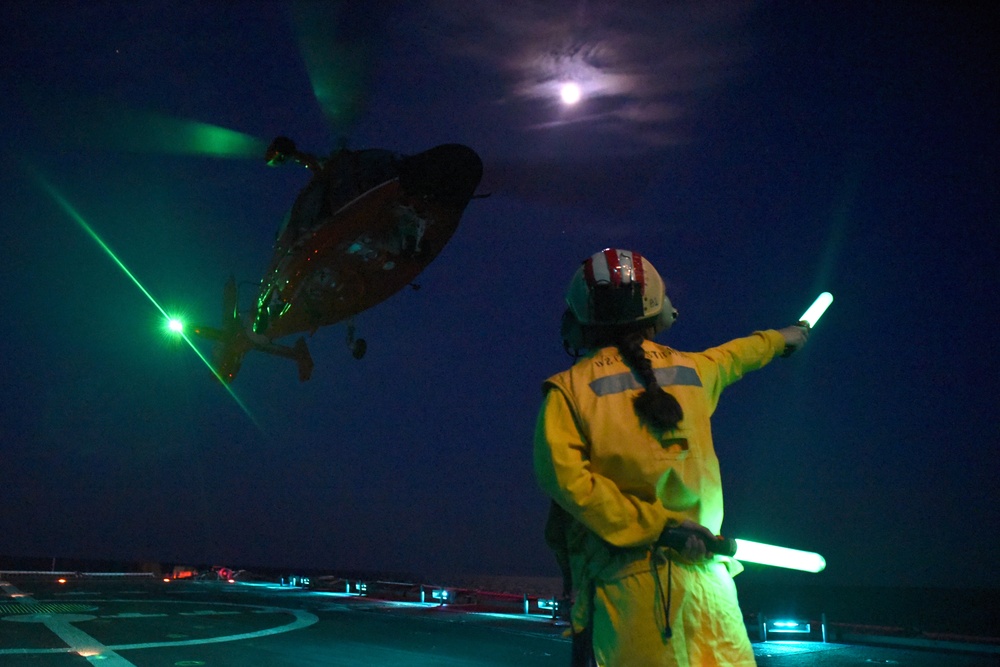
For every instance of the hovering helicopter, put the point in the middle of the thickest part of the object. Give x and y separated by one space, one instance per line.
361 230
363 227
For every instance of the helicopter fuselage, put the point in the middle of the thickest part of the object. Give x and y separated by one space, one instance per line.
362 229
366 225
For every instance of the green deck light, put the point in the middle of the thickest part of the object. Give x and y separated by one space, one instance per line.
767 554
791 627
816 310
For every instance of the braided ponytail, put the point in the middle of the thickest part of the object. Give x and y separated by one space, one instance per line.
655 406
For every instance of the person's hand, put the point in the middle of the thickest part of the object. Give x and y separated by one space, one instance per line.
694 549
689 539
795 337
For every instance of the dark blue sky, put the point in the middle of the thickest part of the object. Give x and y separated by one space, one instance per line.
757 153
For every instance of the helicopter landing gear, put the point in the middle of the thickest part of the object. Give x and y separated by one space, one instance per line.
358 345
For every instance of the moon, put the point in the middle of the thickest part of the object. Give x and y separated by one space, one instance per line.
570 93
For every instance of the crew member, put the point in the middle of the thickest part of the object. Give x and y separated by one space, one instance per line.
628 417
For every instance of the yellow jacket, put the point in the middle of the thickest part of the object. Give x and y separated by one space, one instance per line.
596 460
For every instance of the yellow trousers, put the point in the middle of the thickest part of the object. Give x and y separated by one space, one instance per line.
706 625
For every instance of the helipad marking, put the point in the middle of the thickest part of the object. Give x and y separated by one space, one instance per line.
11 590
302 619
77 640
35 608
61 626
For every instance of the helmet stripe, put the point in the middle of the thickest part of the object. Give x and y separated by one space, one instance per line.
614 267
638 273
588 272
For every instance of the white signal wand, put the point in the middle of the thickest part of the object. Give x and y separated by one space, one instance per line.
816 310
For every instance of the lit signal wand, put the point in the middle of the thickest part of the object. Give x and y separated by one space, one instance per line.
812 315
816 310
745 550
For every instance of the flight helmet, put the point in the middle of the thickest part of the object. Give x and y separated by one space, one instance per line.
615 289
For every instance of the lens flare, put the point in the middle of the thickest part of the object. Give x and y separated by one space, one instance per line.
76 217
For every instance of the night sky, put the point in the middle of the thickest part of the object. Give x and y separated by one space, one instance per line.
756 153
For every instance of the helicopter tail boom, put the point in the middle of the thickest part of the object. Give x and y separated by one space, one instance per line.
233 341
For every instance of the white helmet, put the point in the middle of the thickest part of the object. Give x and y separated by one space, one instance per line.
619 287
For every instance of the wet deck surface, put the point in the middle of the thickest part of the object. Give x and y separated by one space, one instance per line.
151 623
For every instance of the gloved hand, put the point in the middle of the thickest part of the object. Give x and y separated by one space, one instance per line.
691 540
795 337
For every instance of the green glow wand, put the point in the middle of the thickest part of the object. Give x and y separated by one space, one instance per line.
768 554
816 310
811 316
672 492
746 550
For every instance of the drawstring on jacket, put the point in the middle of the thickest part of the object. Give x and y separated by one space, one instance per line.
665 603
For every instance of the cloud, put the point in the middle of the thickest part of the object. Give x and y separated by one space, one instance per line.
645 68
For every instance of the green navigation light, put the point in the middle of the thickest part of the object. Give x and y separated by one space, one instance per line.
767 554
816 310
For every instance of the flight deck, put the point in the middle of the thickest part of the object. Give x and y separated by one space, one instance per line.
60 619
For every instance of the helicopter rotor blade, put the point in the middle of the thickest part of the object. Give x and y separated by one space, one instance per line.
572 183
95 124
337 44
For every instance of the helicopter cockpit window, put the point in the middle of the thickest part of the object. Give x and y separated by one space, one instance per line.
307 210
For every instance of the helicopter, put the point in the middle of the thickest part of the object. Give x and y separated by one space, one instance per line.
367 223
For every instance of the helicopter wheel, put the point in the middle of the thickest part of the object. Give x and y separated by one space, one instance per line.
358 348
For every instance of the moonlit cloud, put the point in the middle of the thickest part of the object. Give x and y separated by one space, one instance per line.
645 70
